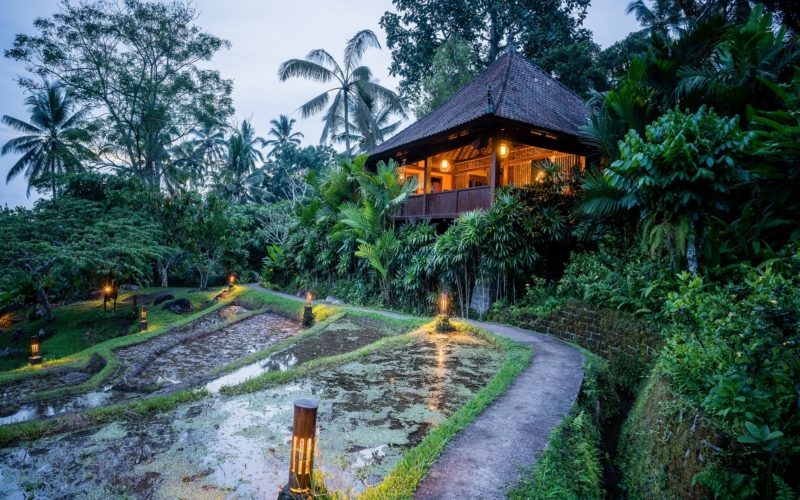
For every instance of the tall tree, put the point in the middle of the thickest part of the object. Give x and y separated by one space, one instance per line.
352 83
453 67
419 27
52 144
239 179
281 130
136 64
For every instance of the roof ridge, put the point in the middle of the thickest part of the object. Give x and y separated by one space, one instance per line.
504 81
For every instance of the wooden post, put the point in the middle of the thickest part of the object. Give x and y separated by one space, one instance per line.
494 173
425 187
304 434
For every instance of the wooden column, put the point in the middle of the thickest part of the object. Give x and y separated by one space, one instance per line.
494 173
425 187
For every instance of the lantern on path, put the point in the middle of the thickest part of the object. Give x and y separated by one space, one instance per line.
304 445
231 281
143 321
35 358
308 313
444 303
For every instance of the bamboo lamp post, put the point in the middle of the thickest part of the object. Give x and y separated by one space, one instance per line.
143 320
35 358
308 313
304 446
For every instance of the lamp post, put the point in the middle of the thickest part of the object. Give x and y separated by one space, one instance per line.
443 324
35 358
231 281
304 445
308 313
503 150
143 321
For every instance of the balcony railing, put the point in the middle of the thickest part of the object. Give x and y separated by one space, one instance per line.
446 204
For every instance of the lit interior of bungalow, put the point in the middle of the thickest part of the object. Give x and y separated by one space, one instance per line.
469 167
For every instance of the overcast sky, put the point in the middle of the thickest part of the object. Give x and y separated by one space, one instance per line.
263 34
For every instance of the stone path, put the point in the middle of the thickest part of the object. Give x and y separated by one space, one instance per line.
483 461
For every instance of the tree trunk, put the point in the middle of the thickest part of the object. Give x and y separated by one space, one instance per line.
346 124
691 251
164 276
48 309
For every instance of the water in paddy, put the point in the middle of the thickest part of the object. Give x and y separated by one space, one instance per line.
179 362
371 410
346 335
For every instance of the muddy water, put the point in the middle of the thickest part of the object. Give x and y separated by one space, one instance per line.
346 335
237 447
177 364
219 348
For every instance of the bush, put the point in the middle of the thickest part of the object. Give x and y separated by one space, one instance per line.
734 351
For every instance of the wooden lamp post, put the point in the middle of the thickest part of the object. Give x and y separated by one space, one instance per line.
35 358
308 313
304 445
231 282
143 321
443 324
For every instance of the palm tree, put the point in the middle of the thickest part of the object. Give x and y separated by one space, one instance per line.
239 179
352 83
281 130
51 145
366 139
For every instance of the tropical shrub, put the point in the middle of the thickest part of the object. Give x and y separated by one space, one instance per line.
733 350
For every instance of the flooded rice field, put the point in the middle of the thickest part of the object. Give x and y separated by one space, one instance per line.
345 335
371 409
179 359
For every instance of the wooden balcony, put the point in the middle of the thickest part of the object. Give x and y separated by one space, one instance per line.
446 204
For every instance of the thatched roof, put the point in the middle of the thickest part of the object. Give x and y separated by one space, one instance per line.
520 91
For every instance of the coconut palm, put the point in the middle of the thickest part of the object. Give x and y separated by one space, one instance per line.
352 82
239 179
382 114
281 130
50 146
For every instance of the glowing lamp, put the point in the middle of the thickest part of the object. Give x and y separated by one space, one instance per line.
231 281
143 320
308 313
107 289
35 358
444 303
445 166
304 434
503 150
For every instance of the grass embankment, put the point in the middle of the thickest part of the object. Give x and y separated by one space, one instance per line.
570 467
162 320
413 466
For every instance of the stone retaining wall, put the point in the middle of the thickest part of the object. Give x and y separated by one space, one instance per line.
605 332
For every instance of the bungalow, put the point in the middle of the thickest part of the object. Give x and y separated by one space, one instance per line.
493 132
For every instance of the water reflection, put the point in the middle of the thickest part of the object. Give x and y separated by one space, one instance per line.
64 405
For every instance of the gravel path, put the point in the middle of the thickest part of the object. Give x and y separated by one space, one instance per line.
484 460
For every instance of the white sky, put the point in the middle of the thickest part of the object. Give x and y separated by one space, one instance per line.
263 33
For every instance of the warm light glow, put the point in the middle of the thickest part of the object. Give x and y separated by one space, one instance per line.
108 289
231 279
35 345
553 158
444 303
304 440
440 357
540 177
445 165
308 298
144 313
503 150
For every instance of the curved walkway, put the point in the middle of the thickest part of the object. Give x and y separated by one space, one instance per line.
486 457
